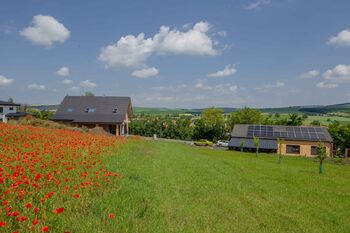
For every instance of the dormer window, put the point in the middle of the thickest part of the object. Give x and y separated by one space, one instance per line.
89 110
115 110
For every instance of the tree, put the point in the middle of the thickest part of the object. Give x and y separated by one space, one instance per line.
257 145
242 144
280 156
211 124
321 155
10 100
340 134
315 123
89 93
245 116
295 120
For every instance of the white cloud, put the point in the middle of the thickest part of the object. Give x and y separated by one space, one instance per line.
326 85
5 81
310 74
133 51
338 74
220 88
67 81
145 73
257 5
229 70
222 33
46 30
341 40
129 51
271 86
193 42
63 71
75 89
35 86
87 84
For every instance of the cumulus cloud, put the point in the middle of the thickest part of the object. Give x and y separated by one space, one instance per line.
133 51
338 74
63 71
5 81
145 73
67 81
341 40
310 74
229 70
46 30
129 51
193 42
326 85
257 4
35 86
87 84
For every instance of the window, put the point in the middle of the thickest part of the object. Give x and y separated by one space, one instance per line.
293 149
11 108
69 109
1 109
314 150
115 110
89 110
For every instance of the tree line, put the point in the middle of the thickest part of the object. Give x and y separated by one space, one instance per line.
214 125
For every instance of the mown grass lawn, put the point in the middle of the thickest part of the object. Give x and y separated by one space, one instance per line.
169 187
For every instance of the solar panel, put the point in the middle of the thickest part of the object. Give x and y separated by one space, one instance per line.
290 132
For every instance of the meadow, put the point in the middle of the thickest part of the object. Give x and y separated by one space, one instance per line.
154 186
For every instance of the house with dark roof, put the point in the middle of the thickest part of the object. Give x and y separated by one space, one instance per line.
8 111
295 140
109 112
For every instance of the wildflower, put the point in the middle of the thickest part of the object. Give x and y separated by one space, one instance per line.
111 215
58 210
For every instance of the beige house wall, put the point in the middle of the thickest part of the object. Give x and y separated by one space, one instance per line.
305 148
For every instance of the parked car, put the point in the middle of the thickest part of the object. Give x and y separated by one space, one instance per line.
222 143
203 142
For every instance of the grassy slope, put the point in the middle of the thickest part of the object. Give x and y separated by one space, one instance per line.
170 187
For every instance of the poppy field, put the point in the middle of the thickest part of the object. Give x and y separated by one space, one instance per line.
45 173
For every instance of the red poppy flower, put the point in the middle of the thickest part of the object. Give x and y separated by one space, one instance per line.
3 224
35 221
29 205
111 215
58 210
45 228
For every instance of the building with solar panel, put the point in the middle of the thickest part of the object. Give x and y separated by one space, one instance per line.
295 140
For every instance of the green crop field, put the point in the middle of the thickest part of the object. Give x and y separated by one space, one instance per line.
169 187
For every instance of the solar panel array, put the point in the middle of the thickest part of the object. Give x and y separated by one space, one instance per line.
290 132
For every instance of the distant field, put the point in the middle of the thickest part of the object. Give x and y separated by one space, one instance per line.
324 120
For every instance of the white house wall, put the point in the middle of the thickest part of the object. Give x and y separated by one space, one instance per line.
6 110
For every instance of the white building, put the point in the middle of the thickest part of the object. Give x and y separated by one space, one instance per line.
7 108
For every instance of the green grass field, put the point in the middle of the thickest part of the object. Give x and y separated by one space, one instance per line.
169 187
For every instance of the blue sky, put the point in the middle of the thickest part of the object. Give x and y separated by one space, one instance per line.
190 54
